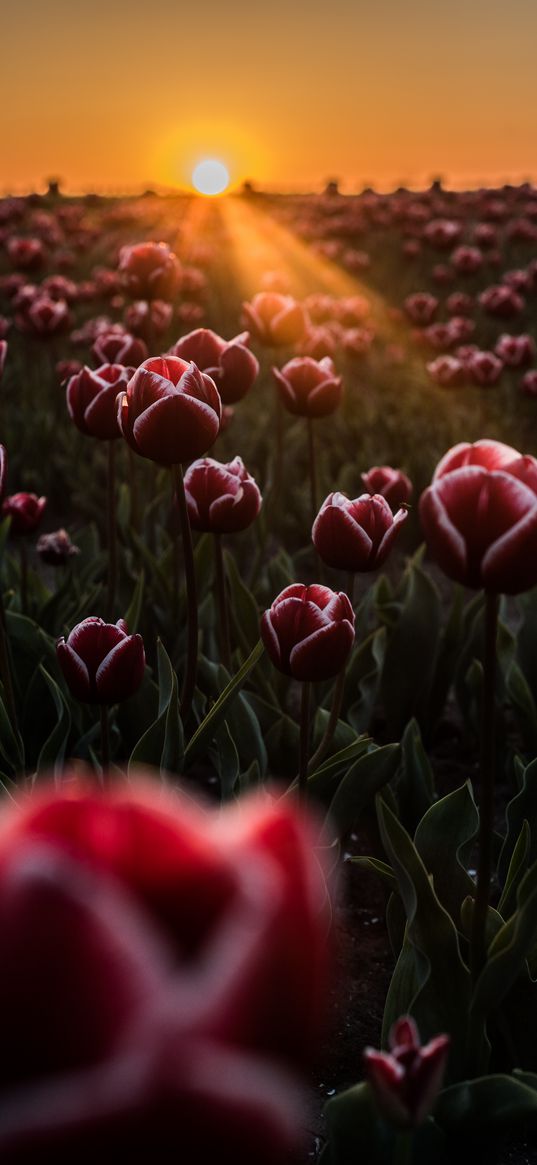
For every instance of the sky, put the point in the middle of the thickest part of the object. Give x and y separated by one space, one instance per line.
116 95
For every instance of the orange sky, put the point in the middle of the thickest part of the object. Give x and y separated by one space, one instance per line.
117 95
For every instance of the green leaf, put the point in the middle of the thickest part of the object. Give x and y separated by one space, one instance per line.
132 616
359 787
357 1134
444 839
415 784
523 807
521 698
517 868
226 759
162 744
244 608
437 989
208 727
489 1104
52 754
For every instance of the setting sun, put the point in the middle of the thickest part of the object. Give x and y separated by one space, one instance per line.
210 177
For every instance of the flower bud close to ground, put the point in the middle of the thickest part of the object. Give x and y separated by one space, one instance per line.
406 1080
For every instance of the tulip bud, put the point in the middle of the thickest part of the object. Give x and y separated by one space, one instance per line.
228 362
101 662
170 411
56 549
406 1080
392 484
221 499
149 270
275 320
309 632
25 511
309 388
356 535
92 399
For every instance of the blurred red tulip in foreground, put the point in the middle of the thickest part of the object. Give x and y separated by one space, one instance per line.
163 973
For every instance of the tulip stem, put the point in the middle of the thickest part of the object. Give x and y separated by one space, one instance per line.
112 530
5 669
105 740
134 492
313 470
304 741
486 791
189 681
23 575
222 603
403 1149
335 709
351 580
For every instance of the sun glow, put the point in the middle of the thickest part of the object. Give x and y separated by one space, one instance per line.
210 177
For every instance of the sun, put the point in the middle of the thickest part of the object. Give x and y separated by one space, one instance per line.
210 177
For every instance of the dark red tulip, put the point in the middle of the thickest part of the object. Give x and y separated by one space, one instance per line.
221 499
25 511
170 411
502 301
309 388
163 971
516 351
148 318
485 368
47 317
448 371
28 254
356 535
228 362
421 307
149 270
309 632
275 320
101 662
479 517
406 1080
528 384
392 484
92 399
119 347
56 549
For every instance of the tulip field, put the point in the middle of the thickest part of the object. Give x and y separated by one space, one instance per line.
268 678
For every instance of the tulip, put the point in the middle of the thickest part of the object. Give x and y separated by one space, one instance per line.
3 354
528 384
221 499
421 307
149 270
56 549
308 633
467 260
92 399
228 362
356 535
448 371
392 484
25 511
171 413
442 233
165 969
479 517
102 664
148 319
28 254
516 351
502 301
485 368
309 388
119 348
275 320
48 317
405 1081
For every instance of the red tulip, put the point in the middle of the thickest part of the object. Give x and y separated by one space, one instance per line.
459 304
503 301
101 662
221 499
442 233
275 320
309 632
479 517
528 384
406 1080
448 371
228 362
163 970
56 549
309 388
119 347
467 260
47 317
485 368
28 254
392 484
149 270
170 412
356 535
25 511
421 307
516 351
148 318
92 399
